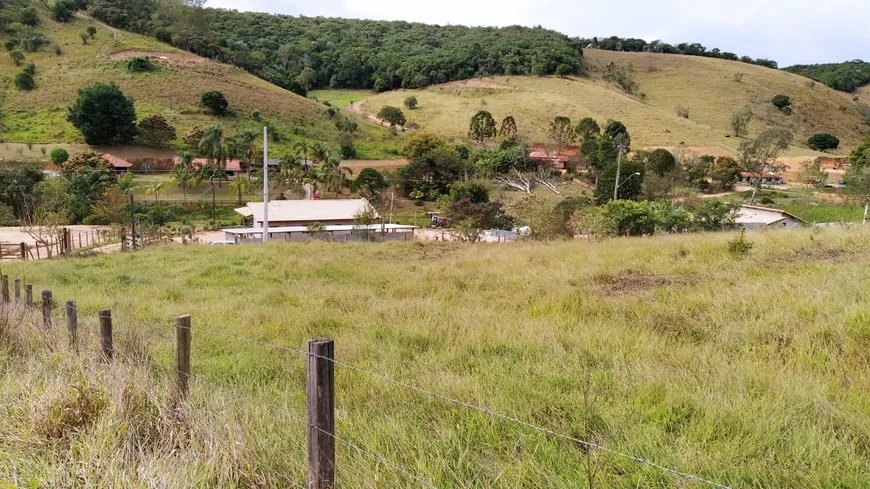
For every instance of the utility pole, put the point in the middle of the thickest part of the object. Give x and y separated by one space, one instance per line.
132 221
392 195
618 167
265 184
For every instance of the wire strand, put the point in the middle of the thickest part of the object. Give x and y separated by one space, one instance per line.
468 405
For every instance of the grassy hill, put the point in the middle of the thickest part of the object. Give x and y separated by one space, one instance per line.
750 372
707 87
39 116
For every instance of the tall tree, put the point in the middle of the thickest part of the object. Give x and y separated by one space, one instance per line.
183 176
561 131
103 114
739 122
759 156
482 126
212 144
587 129
154 189
508 130
241 185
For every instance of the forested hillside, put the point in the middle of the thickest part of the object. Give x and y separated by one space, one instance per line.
302 53
846 77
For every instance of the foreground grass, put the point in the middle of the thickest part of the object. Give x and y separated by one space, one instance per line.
751 372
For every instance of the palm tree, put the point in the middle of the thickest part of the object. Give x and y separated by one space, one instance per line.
334 173
303 150
241 185
186 159
320 152
155 189
182 175
247 140
212 144
212 173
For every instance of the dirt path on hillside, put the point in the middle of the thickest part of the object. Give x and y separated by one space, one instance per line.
160 56
356 108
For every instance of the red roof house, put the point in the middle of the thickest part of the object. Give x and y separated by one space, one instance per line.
117 165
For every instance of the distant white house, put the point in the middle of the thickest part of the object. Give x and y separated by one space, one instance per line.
754 217
285 213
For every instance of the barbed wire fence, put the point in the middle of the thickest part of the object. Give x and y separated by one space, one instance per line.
319 421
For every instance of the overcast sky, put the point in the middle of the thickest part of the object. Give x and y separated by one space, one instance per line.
788 31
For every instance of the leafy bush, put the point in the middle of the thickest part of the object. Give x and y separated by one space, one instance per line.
823 142
104 115
621 77
16 56
781 102
215 102
29 16
475 192
661 161
739 246
59 156
63 10
411 102
30 69
24 81
156 131
393 115
140 64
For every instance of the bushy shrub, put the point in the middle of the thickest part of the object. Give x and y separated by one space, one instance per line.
63 10
781 102
140 64
24 81
823 142
59 156
411 102
215 102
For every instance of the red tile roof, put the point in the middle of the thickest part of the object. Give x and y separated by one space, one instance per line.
230 165
116 162
747 174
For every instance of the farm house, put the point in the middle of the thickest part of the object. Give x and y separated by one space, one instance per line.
754 217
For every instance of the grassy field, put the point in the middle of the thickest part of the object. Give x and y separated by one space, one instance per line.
174 91
750 372
340 98
705 86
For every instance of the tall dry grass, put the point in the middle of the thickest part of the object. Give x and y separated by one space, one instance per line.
751 371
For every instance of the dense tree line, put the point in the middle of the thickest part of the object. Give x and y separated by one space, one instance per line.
302 53
615 43
846 77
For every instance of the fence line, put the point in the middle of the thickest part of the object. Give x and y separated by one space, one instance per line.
468 405
108 350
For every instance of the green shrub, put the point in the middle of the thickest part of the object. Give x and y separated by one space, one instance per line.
215 102
24 81
30 69
411 102
59 156
739 247
17 56
140 64
63 10
781 102
823 142
28 16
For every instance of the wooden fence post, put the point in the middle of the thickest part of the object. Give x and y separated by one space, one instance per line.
72 324
106 345
46 308
23 246
17 291
182 356
321 414
4 289
28 296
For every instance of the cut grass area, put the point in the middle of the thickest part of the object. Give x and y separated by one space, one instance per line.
750 372
340 98
705 86
173 91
